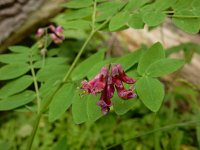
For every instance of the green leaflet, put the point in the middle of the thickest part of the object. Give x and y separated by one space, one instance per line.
82 69
76 24
107 9
130 59
122 106
52 71
118 21
151 92
14 58
75 14
16 86
78 3
79 108
136 21
134 5
50 61
96 68
153 18
187 15
163 67
17 100
188 24
11 71
61 101
19 49
153 54
85 109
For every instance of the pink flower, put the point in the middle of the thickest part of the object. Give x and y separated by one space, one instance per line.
105 83
97 84
40 32
56 34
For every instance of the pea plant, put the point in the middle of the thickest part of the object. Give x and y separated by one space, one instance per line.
40 80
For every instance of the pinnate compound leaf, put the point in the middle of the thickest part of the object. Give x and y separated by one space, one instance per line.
153 54
18 100
151 92
16 86
118 21
85 108
164 67
82 69
11 71
61 101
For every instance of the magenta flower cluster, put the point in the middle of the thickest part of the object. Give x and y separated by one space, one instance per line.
55 33
110 78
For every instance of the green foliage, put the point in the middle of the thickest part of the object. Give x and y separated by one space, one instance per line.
154 64
134 13
78 4
17 100
26 70
104 10
155 53
122 106
136 21
129 60
61 101
16 86
14 58
52 71
151 92
155 19
10 72
82 69
84 109
190 23
19 49
163 67
118 21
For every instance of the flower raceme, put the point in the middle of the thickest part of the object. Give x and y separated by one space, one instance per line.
55 33
109 78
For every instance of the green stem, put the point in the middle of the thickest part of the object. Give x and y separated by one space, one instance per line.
35 127
45 46
84 45
35 85
78 56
